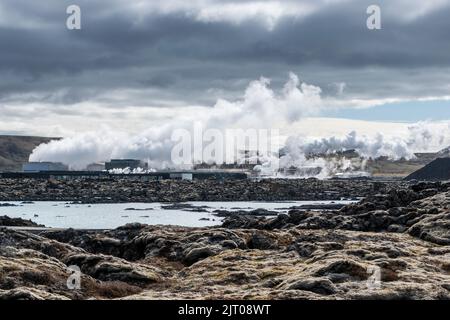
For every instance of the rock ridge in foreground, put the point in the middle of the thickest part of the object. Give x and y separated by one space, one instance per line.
401 235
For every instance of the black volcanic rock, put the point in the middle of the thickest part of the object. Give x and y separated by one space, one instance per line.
215 263
6 221
261 212
421 211
403 233
179 192
8 205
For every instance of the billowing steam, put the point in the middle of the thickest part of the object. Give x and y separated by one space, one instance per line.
420 137
260 108
304 152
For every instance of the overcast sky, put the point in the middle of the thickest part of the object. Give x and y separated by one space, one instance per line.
134 63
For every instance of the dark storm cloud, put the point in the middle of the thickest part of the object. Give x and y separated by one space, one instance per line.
172 55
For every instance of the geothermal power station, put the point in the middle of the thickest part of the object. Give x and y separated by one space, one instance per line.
424 166
132 169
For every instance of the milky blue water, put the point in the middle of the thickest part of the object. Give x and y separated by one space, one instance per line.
108 216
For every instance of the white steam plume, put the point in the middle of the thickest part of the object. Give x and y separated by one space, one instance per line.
305 152
260 108
420 137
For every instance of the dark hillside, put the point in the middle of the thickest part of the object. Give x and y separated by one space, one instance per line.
438 169
15 150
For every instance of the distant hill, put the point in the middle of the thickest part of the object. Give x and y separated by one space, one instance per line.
436 170
15 150
444 153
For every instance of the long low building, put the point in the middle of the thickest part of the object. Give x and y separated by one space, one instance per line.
125 164
44 166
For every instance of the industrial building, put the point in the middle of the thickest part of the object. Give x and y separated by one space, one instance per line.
125 164
121 169
95 167
44 166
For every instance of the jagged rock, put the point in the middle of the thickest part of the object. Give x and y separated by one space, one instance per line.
197 254
245 222
8 205
221 263
185 207
434 228
343 266
317 285
300 255
108 268
17 222
262 241
184 244
29 294
89 241
257 212
412 211
331 206
125 190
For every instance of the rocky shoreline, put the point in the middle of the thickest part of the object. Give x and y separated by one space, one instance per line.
124 190
391 245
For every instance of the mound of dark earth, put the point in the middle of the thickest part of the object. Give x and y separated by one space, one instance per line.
437 170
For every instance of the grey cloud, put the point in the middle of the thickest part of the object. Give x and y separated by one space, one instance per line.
172 56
